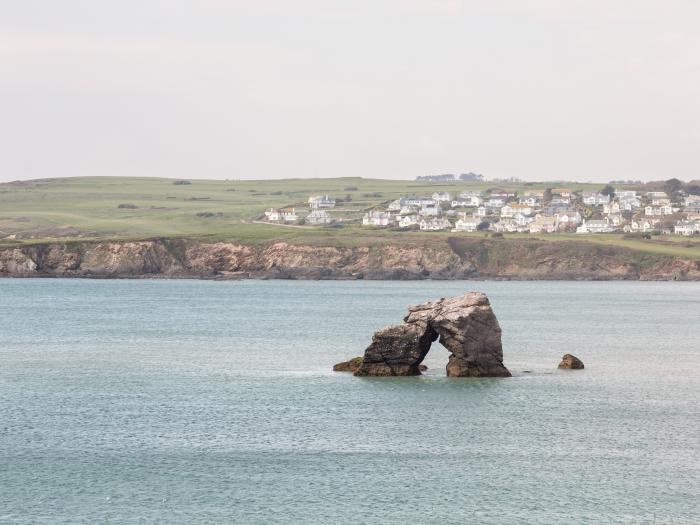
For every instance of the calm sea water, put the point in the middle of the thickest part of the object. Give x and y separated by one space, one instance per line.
213 402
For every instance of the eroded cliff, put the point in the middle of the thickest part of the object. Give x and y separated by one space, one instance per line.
458 258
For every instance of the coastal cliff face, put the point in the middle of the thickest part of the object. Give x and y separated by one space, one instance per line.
459 258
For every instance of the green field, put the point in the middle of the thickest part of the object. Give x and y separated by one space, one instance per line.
88 208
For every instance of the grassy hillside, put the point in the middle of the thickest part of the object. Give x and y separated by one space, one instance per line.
88 208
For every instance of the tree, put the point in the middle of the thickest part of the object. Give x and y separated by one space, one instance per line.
483 226
608 190
672 186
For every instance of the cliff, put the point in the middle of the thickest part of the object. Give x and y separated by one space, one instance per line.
458 258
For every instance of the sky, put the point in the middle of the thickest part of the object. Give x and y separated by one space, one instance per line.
593 90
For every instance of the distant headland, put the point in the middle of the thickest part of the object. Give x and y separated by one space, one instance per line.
350 228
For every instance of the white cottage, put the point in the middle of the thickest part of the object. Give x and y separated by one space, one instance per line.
321 201
467 224
653 211
377 218
595 226
407 221
281 215
319 217
442 196
687 228
435 224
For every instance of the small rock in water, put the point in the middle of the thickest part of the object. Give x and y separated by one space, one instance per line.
571 362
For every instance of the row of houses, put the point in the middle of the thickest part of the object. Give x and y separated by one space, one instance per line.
533 211
318 204
289 215
540 211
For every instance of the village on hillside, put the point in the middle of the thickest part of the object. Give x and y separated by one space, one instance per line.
535 211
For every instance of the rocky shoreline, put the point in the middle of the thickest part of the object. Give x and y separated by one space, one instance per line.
458 258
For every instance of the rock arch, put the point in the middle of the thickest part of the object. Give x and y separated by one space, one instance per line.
465 325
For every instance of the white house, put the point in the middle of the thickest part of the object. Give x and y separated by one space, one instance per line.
686 228
504 225
321 201
595 226
435 224
396 205
651 195
467 201
560 201
629 203
509 210
407 209
658 210
495 202
593 198
481 212
641 226
612 207
568 218
543 224
408 220
442 196
625 194
273 215
505 195
616 219
319 217
530 201
419 201
564 193
281 215
377 219
467 224
522 220
289 215
692 200
430 209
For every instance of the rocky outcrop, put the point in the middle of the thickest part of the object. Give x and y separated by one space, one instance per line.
465 325
571 362
458 258
354 364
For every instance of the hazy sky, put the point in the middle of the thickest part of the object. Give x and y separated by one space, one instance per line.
538 89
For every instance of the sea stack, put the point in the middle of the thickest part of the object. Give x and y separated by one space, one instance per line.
465 325
571 362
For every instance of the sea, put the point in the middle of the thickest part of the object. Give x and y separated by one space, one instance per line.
199 402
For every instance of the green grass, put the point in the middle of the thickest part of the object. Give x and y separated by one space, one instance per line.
86 208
